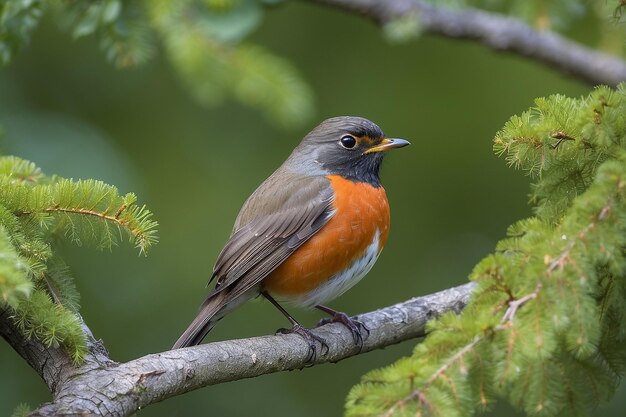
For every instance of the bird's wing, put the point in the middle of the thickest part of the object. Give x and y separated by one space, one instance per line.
282 214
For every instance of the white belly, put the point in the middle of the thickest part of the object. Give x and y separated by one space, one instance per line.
342 282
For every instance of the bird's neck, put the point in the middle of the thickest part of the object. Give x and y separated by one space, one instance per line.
366 170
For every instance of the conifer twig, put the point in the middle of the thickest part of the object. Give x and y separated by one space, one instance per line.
103 387
514 305
496 31
417 394
86 212
506 322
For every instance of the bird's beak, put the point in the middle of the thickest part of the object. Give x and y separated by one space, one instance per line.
387 144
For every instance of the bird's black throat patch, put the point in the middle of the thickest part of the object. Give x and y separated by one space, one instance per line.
355 166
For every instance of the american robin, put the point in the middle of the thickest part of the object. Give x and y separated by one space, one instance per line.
310 231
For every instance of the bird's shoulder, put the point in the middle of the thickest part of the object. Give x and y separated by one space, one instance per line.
284 191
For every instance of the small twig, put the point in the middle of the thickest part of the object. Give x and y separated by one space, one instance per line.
134 231
418 393
561 260
560 137
514 305
119 211
86 212
606 210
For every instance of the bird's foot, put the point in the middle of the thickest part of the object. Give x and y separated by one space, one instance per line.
310 338
357 328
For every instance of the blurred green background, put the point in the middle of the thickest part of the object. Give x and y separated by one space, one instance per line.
64 107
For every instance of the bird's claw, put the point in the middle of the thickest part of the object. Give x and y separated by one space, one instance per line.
310 338
356 327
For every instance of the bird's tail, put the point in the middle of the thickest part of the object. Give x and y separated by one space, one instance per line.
211 311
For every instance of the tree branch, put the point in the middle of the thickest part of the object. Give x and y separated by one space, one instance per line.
53 364
103 387
497 32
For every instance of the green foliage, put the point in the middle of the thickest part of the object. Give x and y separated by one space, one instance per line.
204 47
35 212
18 18
403 28
21 410
38 316
83 210
546 326
123 28
203 39
14 271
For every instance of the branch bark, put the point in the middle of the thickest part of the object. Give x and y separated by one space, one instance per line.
103 387
498 32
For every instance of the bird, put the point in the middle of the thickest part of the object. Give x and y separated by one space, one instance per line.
308 233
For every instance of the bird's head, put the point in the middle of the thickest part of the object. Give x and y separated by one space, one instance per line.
352 147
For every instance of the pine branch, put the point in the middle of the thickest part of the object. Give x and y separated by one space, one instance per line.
536 328
36 287
13 272
495 31
440 373
74 203
100 386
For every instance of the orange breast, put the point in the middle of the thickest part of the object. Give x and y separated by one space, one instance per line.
360 211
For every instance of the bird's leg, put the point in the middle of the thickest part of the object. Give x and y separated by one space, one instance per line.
356 327
299 329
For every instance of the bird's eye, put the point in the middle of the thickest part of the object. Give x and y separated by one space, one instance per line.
348 142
